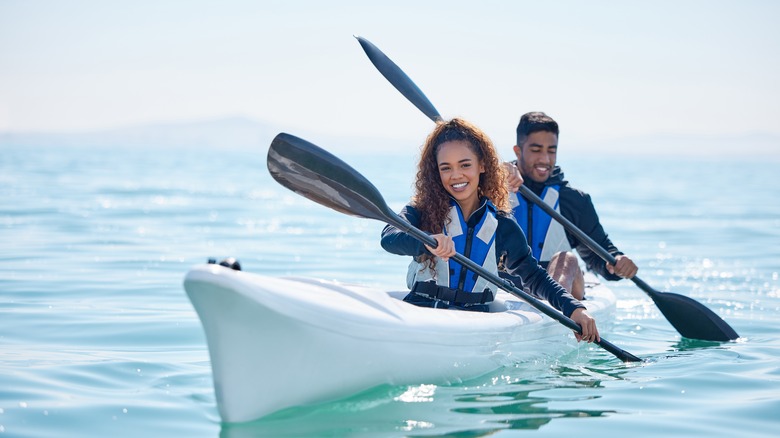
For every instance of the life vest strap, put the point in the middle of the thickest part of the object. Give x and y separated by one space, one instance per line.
429 289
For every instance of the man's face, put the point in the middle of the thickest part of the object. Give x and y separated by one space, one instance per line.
536 156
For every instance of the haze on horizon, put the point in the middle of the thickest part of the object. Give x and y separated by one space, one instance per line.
605 70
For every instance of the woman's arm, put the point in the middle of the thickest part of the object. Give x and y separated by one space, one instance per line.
398 242
521 263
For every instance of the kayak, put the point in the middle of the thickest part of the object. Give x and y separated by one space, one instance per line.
276 343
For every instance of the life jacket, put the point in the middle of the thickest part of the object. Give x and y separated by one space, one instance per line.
545 236
478 244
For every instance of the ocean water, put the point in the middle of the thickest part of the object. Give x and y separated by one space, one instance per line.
98 338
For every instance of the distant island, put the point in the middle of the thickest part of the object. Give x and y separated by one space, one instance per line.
246 133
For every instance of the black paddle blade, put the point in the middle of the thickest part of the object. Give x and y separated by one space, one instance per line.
399 79
318 175
692 319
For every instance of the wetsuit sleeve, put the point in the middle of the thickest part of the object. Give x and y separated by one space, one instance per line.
520 264
398 242
578 208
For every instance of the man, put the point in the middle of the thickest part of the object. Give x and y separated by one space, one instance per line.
536 150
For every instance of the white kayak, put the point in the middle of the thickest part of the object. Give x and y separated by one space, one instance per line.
276 342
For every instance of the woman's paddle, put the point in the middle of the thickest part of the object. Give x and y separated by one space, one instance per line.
318 175
691 318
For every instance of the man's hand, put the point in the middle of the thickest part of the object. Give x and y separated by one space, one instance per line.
590 333
624 267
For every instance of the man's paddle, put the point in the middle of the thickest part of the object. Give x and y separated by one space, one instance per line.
691 318
316 174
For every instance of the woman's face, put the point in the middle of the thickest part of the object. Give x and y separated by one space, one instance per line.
459 170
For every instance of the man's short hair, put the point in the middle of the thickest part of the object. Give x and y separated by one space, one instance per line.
534 122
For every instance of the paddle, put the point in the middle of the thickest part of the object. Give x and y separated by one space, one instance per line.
691 318
398 78
316 174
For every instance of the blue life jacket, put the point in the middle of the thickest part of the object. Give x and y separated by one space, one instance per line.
478 244
545 236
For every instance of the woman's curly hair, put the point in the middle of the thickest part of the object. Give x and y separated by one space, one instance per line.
430 198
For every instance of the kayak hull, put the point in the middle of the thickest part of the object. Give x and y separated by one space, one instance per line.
276 342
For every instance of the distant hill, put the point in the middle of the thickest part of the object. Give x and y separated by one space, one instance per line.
235 132
245 133
225 133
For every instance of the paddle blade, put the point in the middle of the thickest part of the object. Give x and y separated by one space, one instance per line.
399 79
692 319
316 174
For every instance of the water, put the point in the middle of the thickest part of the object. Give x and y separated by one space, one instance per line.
97 337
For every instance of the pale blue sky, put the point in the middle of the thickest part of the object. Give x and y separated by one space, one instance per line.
604 69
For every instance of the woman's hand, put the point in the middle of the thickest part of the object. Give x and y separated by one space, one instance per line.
445 248
590 333
513 180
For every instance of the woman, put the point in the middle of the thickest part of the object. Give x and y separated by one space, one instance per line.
461 199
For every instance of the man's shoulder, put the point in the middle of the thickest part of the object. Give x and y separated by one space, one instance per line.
571 196
564 186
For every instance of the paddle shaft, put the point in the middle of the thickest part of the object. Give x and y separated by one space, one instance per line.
509 287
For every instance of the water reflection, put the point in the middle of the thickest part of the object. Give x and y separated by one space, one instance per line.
533 403
507 399
686 344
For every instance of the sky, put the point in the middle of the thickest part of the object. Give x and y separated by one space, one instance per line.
605 70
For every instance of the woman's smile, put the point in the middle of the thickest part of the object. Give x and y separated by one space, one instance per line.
459 170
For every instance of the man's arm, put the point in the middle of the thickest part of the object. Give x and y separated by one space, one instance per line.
577 207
